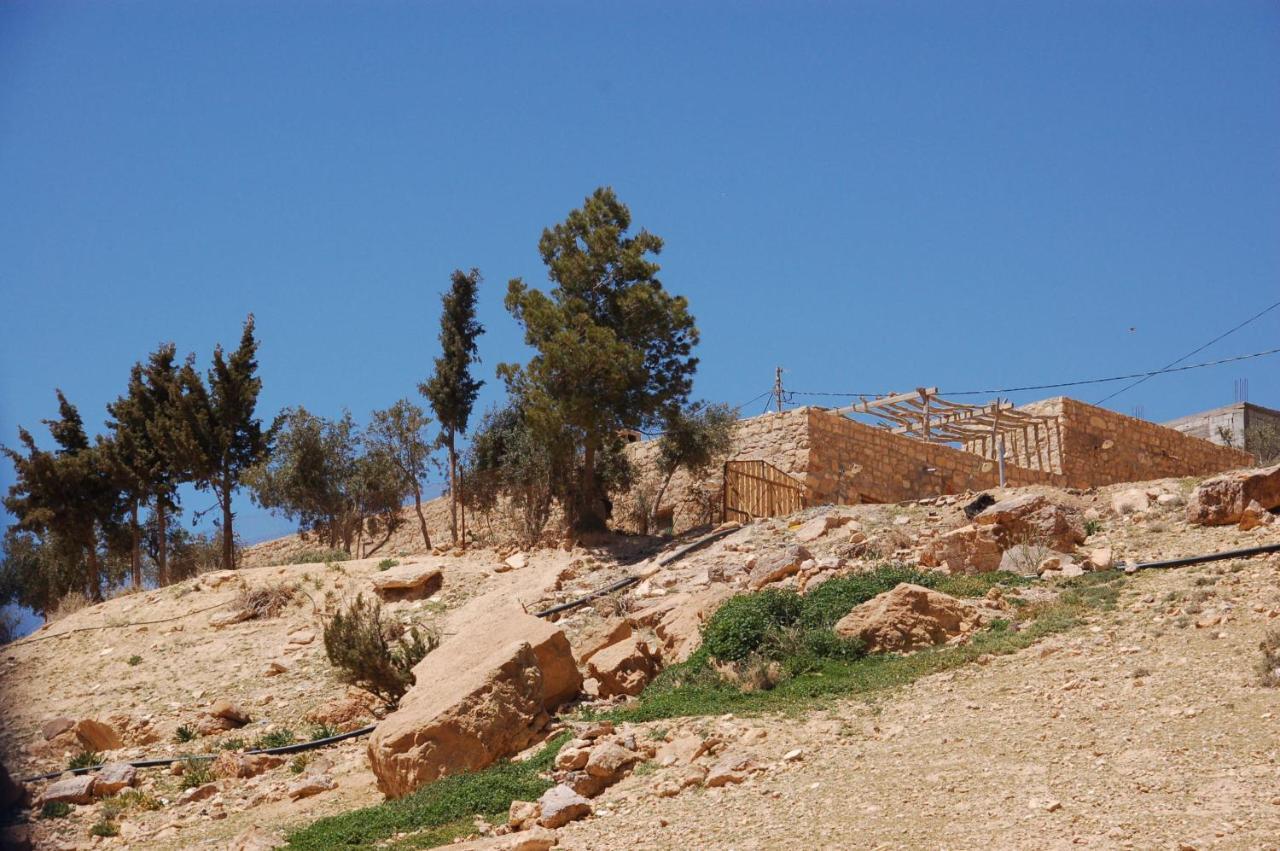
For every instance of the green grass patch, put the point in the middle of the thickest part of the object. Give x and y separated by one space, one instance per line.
439 812
696 687
84 759
319 556
274 739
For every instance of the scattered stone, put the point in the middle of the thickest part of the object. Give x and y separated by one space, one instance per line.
77 789
821 525
303 636
408 582
229 618
560 805
1131 501
1254 515
610 761
907 618
517 561
778 567
310 785
793 755
1169 500
198 793
274 668
732 768
598 637
532 839
1032 517
113 777
624 668
55 727
966 550
1223 500
97 736
228 711
1101 558
522 815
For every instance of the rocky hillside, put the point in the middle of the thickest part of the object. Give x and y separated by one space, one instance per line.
1138 722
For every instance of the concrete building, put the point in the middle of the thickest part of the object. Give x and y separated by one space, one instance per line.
1231 425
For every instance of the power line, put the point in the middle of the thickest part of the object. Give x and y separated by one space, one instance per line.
1258 315
994 391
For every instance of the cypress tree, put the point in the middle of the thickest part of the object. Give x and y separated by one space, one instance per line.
452 389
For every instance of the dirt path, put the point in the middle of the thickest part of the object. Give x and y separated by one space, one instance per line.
1140 731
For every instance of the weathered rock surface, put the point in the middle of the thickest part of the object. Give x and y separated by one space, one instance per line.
1130 501
408 582
821 525
1224 499
969 549
1032 518
71 790
560 805
97 736
254 838
778 567
680 629
55 727
312 784
624 668
604 634
113 777
1254 516
532 839
908 618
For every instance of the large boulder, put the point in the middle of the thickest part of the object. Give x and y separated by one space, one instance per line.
481 696
77 789
560 805
1224 499
97 736
969 549
779 567
408 582
680 629
908 618
1032 518
113 777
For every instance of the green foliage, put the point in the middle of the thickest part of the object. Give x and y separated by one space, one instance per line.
377 656
196 772
104 828
1092 527
55 809
282 737
694 439
387 564
750 623
184 734
613 348
135 660
508 459
439 812
327 478
299 763
234 744
1263 440
318 556
452 389
84 759
398 435
322 731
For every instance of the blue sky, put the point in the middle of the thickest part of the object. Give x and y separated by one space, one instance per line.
875 196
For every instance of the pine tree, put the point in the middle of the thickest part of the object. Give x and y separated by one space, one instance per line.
613 347
221 436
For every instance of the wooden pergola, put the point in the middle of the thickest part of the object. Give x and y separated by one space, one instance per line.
924 415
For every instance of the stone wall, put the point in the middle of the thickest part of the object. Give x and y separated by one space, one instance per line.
1101 447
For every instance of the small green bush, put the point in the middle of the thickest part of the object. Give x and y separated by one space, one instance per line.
319 556
275 739
749 623
84 759
196 772
375 655
183 734
299 763
322 731
231 745
135 660
387 564
55 809
1092 527
104 828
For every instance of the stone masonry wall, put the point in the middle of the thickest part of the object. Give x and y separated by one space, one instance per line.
1101 447
850 462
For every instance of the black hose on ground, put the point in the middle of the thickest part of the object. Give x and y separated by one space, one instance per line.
1189 560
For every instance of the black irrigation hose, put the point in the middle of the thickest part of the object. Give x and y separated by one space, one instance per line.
364 731
160 763
1187 560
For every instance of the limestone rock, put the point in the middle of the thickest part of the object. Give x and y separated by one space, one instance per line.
228 711
821 525
1254 516
55 727
469 709
522 815
517 561
97 736
560 805
1224 499
1032 518
908 618
1101 558
624 668
533 839
198 793
1130 501
113 777
969 549
77 789
610 760
600 636
310 785
778 567
408 582
731 768
680 629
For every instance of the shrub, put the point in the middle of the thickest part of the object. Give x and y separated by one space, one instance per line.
299 763
84 759
55 809
275 739
387 564
183 734
747 624
1092 527
265 602
835 598
8 626
128 800
196 772
377 656
318 556
104 828
323 731
231 745
1269 665
135 660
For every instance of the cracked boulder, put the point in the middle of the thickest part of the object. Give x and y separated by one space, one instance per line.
910 617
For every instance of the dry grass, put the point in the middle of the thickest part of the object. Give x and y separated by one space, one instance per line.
267 601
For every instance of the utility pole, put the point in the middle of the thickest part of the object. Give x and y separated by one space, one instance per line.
777 387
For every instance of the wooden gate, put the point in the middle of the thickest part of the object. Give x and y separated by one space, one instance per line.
758 489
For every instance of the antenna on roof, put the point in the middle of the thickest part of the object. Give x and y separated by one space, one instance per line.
1241 390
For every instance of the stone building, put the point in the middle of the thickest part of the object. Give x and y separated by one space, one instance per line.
828 458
